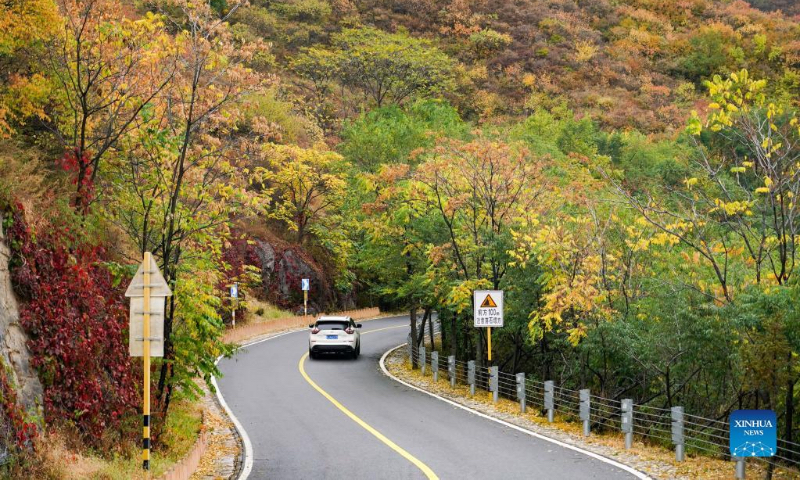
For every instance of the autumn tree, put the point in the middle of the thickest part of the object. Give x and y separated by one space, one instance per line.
107 69
385 67
479 189
737 212
177 181
25 27
302 186
398 230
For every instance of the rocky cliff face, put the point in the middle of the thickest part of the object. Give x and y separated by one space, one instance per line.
13 346
282 269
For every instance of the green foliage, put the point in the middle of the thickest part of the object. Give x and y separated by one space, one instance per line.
391 134
707 55
198 327
487 41
312 11
385 67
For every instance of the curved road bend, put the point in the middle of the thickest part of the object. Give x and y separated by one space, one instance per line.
297 433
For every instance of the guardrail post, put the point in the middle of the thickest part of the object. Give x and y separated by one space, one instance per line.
422 359
677 432
627 421
521 391
740 467
471 376
451 369
585 409
435 365
493 377
549 405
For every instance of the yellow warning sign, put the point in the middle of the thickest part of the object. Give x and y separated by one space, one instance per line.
488 308
488 302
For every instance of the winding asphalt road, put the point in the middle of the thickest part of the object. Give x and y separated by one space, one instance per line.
383 428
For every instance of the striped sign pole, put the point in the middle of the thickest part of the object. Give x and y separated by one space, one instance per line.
146 346
147 293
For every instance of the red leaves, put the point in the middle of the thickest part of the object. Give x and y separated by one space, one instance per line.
77 322
23 432
79 165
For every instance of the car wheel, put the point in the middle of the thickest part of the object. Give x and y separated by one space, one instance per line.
357 352
312 355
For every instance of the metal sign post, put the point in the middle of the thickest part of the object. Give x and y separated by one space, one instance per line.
147 292
488 313
306 287
234 299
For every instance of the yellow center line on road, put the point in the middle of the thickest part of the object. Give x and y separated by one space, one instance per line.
411 458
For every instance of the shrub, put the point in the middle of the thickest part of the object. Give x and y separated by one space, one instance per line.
76 317
488 41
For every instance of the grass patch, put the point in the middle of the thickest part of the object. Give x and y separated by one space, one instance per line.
259 311
54 460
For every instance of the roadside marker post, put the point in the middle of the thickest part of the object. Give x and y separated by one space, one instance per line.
521 391
627 421
676 413
451 369
471 376
493 383
422 359
147 293
585 409
549 405
435 365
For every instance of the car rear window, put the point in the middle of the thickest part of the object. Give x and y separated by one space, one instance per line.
332 325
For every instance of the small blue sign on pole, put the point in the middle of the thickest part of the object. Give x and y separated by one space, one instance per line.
306 284
754 433
235 290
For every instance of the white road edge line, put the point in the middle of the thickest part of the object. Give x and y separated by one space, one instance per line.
248 447
596 456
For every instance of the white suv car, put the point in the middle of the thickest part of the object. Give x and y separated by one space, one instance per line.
334 334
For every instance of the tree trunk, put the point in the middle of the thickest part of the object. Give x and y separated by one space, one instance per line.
453 346
413 320
421 332
789 420
443 332
430 328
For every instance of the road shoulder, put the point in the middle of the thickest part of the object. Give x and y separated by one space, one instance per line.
647 465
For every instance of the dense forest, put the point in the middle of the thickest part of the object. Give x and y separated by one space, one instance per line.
625 170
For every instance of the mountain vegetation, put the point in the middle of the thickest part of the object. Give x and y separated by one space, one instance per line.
626 171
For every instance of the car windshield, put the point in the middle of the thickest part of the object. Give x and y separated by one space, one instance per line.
332 325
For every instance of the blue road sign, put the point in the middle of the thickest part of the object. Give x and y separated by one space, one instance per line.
306 284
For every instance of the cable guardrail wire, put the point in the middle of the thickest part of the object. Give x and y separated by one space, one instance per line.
699 434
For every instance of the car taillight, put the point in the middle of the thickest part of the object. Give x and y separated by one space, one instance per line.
315 331
349 331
